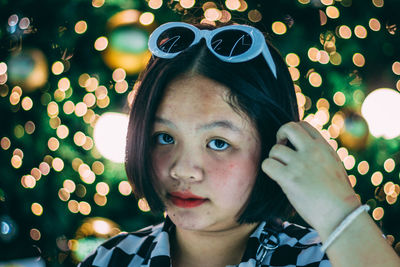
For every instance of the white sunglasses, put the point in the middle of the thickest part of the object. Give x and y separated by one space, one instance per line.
233 43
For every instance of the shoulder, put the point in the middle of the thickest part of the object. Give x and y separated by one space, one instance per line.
124 248
298 246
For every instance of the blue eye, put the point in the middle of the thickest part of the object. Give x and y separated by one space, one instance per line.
164 139
218 144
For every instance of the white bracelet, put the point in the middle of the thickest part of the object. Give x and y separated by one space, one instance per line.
346 222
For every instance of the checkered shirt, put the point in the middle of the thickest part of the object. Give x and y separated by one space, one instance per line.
293 246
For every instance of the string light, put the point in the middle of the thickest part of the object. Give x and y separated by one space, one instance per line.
332 12
124 188
81 27
101 43
279 27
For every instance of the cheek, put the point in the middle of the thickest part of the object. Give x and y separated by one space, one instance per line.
160 163
234 176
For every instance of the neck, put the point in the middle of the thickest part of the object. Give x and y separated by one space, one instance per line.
210 248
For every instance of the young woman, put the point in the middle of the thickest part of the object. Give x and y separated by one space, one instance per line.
215 140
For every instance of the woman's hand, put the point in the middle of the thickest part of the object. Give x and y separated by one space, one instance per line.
312 176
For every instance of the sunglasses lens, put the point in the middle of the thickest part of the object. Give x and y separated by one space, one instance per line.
231 42
175 39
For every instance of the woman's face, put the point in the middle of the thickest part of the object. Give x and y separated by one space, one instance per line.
203 147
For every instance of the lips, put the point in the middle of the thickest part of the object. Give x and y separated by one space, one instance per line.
185 195
186 199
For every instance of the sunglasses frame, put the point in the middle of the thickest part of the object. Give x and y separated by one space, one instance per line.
258 42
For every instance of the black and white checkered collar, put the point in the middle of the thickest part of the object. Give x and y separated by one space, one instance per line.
261 241
290 245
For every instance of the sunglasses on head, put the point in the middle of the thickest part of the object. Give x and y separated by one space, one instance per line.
233 43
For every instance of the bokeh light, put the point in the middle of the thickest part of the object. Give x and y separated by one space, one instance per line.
279 27
64 84
323 57
335 58
62 131
84 208
111 143
101 43
212 14
360 31
3 68
27 103
349 162
378 3
396 68
254 15
16 161
380 109
98 3
313 54
232 4
37 209
102 188
358 60
63 194
146 18
73 206
13 20
292 59
374 24
100 200
352 180
80 109
345 32
332 12
36 173
58 164
81 27
294 73
143 205
315 79
378 213
69 185
44 168
155 4
124 188
53 144
339 98
376 178
35 234
28 181
187 3
363 167
57 68
389 165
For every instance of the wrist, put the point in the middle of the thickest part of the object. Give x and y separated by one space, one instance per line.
336 216
343 225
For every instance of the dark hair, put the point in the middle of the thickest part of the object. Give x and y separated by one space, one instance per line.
267 101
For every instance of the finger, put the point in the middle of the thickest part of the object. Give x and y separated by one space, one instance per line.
296 134
282 153
312 131
274 169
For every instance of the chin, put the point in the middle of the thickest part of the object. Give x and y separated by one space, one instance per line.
189 220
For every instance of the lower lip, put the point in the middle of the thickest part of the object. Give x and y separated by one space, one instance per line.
186 203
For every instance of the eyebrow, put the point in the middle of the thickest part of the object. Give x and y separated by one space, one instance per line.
226 124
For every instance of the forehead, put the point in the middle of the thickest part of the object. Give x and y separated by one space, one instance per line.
196 94
192 101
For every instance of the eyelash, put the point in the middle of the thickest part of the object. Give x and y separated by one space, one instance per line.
158 139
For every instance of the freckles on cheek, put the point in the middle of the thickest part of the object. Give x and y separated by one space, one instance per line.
160 164
231 177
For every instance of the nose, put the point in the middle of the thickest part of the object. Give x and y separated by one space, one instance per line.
186 166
